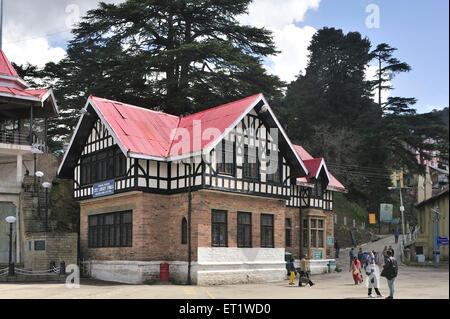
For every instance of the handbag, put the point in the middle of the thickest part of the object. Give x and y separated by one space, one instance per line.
303 278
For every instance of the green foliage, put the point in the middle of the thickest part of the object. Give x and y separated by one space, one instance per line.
65 210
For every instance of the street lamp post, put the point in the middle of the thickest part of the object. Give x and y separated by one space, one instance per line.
436 247
402 209
10 220
46 186
39 175
35 151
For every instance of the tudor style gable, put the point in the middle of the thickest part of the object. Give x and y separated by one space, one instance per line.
105 149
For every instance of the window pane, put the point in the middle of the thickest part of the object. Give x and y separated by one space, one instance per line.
219 228
320 223
288 238
320 238
313 223
313 238
305 238
288 222
266 220
127 219
184 231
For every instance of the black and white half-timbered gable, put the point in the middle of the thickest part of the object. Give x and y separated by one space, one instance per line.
254 156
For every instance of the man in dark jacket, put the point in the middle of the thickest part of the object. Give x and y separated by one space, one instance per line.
390 270
351 254
337 247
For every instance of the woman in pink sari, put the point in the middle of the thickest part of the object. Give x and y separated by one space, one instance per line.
356 271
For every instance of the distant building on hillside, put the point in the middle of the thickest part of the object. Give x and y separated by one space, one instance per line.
425 241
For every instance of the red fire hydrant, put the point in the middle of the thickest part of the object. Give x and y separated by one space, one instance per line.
164 272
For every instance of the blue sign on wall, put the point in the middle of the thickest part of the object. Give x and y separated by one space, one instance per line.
103 189
442 240
317 254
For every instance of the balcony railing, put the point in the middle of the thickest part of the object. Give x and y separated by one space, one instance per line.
19 138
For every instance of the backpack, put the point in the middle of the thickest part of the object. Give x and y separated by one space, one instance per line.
394 267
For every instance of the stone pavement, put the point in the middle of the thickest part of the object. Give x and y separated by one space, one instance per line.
412 283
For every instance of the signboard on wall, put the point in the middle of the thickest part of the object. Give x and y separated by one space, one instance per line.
386 213
442 241
372 218
330 240
317 254
103 189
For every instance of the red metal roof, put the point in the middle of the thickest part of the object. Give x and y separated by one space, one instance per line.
33 93
5 66
218 119
139 130
313 164
157 134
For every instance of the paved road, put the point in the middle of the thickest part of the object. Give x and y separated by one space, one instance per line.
432 284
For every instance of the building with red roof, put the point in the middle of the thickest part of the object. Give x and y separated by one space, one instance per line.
220 195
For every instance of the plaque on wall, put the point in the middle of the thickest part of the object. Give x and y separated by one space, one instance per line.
103 189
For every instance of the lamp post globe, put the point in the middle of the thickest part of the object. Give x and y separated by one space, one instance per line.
10 219
47 185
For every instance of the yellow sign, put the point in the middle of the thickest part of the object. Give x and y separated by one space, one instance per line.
372 219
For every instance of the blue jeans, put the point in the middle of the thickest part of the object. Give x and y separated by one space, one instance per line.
391 287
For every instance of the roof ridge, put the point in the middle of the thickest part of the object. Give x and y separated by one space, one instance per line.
219 106
7 63
134 106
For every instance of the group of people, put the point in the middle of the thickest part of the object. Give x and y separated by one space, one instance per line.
367 263
304 272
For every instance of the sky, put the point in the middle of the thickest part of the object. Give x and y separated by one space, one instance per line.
38 31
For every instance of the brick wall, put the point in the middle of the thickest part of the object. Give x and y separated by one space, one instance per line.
157 223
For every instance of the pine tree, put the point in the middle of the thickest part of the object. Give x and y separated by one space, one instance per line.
192 54
178 57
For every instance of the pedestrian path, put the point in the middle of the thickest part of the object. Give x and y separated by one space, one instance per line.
343 261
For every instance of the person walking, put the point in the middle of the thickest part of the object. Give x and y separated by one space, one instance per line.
384 254
351 254
360 255
304 271
356 271
372 273
390 271
360 259
392 250
396 234
293 272
337 247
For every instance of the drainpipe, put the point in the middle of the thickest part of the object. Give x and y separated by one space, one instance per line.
300 247
189 222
